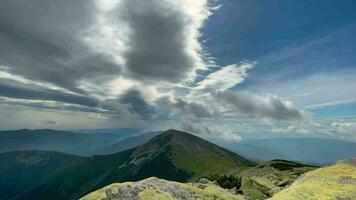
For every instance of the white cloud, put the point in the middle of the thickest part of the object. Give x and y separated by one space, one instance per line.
225 78
269 106
348 128
291 129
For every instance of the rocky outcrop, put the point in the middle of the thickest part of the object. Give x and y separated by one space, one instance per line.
159 189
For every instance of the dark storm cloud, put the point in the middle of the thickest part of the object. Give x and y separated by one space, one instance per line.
137 104
269 106
43 41
159 40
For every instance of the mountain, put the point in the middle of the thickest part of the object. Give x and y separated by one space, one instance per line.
337 181
172 155
128 143
154 188
53 140
22 171
316 151
254 152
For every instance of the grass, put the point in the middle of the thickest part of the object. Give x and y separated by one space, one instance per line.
207 191
333 182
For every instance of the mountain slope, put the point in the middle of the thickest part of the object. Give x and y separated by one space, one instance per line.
128 143
53 140
153 188
337 181
172 155
315 151
22 171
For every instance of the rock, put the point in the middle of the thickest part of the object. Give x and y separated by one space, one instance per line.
254 190
154 188
204 181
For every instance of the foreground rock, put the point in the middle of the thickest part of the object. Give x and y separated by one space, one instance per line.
159 189
333 182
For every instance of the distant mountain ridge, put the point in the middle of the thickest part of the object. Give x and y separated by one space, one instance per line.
54 140
315 151
173 155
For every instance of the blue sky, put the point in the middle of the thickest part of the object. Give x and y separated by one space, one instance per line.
227 69
290 40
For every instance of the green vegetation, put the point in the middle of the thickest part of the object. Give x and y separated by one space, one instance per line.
226 181
333 182
22 171
158 189
262 181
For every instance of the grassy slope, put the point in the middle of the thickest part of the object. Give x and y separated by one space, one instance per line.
202 158
333 182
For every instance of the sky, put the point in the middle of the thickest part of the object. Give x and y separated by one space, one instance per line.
224 69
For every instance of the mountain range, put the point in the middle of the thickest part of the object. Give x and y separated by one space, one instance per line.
315 151
172 155
76 143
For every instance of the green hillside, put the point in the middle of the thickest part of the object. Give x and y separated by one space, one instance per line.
22 171
172 155
337 181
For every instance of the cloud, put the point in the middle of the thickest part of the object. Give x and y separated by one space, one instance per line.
137 104
291 129
14 89
224 78
269 106
313 92
347 128
161 39
42 41
179 107
220 133
196 109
